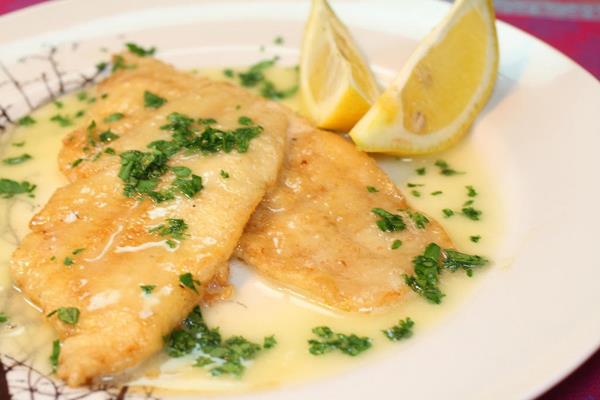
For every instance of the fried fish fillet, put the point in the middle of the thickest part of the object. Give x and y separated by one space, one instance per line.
92 248
315 231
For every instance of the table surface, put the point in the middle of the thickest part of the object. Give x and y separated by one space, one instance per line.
573 27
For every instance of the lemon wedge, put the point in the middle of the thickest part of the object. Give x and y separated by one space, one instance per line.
440 90
336 84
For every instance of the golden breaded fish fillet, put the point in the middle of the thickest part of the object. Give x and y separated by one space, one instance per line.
315 231
92 248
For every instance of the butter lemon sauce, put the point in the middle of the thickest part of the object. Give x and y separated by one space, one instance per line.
258 307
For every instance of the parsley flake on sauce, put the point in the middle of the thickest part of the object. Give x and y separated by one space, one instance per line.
55 354
224 174
220 356
447 212
372 189
471 192
62 120
445 169
402 330
329 341
389 222
3 318
396 244
17 160
475 238
68 261
436 193
10 188
140 51
421 171
26 121
68 315
428 267
269 342
152 100
472 213
188 281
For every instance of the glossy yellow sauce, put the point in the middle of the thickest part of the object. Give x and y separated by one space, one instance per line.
258 307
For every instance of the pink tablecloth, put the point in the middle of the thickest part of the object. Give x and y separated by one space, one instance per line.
573 27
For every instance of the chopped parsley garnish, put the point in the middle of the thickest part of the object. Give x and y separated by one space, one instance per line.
456 260
415 193
389 222
62 120
396 244
58 104
108 136
79 113
269 342
421 171
68 261
278 40
228 73
445 169
19 144
110 150
475 238
243 120
402 330
174 228
26 121
76 162
436 193
269 91
372 189
471 213
113 117
188 280
152 100
224 174
351 345
68 315
4 318
255 76
55 354
413 185
426 277
101 66
17 160
471 192
78 251
419 219
10 188
428 268
119 63
147 289
448 212
219 356
140 51
53 258
82 96
141 170
468 203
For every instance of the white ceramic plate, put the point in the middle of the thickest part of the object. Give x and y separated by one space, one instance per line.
528 323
